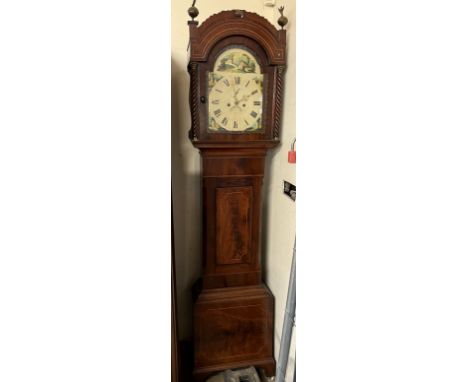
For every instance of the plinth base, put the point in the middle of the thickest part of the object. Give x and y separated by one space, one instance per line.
233 328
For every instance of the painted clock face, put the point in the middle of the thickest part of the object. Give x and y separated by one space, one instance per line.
235 93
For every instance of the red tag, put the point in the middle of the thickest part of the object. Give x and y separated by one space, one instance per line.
292 157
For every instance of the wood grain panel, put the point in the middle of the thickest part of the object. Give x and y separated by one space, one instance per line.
233 327
233 166
233 225
233 333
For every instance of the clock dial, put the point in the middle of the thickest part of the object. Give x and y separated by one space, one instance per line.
235 93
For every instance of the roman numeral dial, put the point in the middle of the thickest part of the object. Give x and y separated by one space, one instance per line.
235 102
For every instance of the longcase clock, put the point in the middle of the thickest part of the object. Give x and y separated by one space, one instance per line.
237 63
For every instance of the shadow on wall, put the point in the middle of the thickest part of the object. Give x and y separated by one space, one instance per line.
186 198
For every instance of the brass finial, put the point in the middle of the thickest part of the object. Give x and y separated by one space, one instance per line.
282 21
193 11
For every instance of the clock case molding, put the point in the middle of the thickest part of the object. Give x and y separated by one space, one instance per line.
233 309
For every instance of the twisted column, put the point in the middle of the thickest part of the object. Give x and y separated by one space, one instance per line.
193 100
278 100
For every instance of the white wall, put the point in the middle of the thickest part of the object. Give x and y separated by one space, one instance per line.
279 213
279 223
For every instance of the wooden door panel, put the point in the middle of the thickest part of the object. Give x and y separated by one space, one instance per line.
233 225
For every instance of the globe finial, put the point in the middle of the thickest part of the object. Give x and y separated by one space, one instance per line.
193 11
282 21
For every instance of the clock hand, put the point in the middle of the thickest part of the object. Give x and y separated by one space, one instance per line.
236 91
245 98
236 105
236 101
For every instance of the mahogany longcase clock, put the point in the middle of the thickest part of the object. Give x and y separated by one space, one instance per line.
237 62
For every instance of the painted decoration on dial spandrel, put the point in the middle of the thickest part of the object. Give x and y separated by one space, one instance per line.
235 89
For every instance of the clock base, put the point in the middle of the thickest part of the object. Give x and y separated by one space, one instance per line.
233 328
